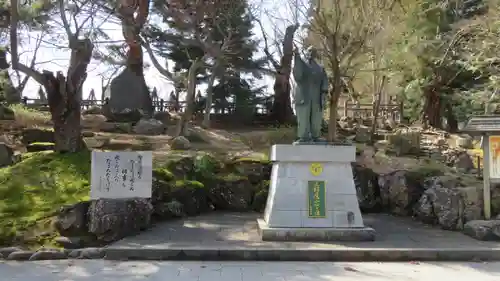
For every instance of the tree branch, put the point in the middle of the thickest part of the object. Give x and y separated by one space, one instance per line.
16 65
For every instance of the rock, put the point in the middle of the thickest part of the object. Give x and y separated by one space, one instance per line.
40 146
399 191
260 200
405 141
180 143
1 257
232 193
483 230
48 255
92 110
256 171
179 198
87 253
389 124
362 134
464 162
88 134
113 219
70 242
97 142
110 127
149 127
6 155
367 188
37 135
129 98
6 113
345 123
163 117
441 141
9 250
449 205
93 121
20 255
72 220
464 141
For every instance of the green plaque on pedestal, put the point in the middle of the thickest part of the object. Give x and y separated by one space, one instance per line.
316 196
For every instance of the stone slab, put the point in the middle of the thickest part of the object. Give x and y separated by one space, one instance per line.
315 234
312 153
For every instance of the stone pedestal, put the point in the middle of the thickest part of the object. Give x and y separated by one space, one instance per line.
312 196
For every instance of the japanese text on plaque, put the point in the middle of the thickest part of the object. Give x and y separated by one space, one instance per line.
316 199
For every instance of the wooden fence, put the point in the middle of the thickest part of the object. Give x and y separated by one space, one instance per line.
364 111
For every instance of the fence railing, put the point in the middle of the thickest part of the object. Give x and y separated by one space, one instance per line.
159 105
364 111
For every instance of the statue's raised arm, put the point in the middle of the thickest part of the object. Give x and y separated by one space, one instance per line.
299 66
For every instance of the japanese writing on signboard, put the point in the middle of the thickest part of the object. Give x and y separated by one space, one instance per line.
316 199
120 174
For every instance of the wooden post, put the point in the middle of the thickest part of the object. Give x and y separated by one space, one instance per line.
486 177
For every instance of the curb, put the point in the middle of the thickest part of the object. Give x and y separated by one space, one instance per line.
262 254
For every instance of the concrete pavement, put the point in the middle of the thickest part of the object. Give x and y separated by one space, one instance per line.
234 236
87 270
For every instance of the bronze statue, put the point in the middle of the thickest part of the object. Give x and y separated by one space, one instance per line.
310 92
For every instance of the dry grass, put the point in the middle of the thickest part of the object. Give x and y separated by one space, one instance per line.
27 117
262 140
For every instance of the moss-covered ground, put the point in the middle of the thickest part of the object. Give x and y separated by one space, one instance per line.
33 189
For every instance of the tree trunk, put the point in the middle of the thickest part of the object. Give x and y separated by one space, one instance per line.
451 119
133 17
63 94
209 98
190 99
333 104
376 110
431 113
346 105
281 111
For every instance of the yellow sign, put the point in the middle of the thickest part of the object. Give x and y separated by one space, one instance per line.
494 160
316 169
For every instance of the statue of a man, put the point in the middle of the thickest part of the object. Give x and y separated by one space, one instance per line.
311 88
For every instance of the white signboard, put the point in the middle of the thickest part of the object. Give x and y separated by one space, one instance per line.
120 174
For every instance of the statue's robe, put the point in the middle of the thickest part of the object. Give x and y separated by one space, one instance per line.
311 86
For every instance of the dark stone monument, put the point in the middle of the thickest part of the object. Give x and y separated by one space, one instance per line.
129 98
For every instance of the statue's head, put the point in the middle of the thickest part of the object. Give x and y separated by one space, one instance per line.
311 53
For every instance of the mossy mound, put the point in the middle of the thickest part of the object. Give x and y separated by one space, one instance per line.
184 184
193 184
34 189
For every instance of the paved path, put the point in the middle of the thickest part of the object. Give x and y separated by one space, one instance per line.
240 230
82 270
234 236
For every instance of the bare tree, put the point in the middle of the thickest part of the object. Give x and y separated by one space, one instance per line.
281 110
342 30
63 91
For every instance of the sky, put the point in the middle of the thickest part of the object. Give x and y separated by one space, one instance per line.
274 15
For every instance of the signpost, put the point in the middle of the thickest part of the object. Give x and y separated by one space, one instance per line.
488 127
121 175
